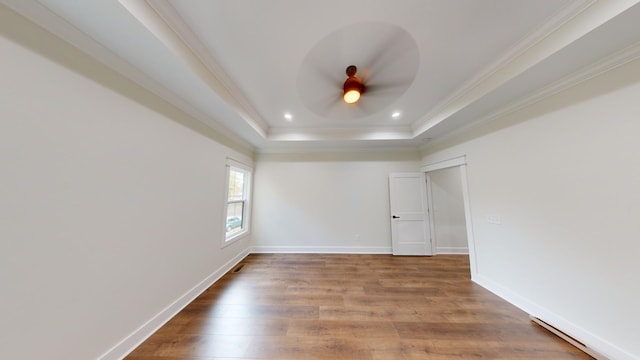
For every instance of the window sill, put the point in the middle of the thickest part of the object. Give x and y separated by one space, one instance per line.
236 237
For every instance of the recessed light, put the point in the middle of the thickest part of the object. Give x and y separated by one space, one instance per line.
288 116
396 115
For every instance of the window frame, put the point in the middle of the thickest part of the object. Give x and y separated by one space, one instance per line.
246 198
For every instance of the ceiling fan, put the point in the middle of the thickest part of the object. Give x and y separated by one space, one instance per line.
382 63
353 87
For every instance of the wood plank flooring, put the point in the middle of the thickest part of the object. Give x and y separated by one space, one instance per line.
313 306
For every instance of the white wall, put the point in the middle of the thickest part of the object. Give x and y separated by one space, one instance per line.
109 210
449 229
325 203
564 176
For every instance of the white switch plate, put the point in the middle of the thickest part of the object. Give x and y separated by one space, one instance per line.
494 219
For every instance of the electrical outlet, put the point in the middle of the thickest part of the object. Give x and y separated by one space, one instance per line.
494 219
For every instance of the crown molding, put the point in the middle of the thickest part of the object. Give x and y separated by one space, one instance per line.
343 153
162 20
54 24
568 25
336 134
598 68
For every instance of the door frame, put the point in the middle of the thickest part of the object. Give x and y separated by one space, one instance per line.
460 161
430 218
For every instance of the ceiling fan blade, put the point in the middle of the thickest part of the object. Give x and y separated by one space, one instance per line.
393 86
393 53
385 53
327 76
368 106
382 93
327 104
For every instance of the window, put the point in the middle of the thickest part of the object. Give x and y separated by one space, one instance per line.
237 200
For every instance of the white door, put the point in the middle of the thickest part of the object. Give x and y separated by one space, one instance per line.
408 207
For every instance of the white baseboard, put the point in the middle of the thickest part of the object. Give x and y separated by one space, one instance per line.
129 343
449 250
591 341
322 249
132 341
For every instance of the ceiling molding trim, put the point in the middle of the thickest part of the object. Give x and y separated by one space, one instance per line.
337 137
551 25
341 134
344 152
163 21
51 22
572 24
445 164
287 130
600 67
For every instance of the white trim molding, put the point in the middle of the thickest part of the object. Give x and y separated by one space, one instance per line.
59 27
452 250
321 250
430 217
577 20
591 71
163 21
137 337
444 164
471 242
462 162
587 338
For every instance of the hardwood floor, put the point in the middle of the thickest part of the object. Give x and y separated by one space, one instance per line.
311 306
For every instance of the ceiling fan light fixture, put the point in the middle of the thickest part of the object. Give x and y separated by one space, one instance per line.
353 86
351 96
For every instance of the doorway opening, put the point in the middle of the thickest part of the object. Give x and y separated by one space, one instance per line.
449 208
446 215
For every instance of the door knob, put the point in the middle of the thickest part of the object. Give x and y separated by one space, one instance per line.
396 217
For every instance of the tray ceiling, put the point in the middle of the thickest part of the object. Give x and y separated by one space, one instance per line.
269 73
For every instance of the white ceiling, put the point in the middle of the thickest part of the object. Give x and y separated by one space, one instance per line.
240 65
